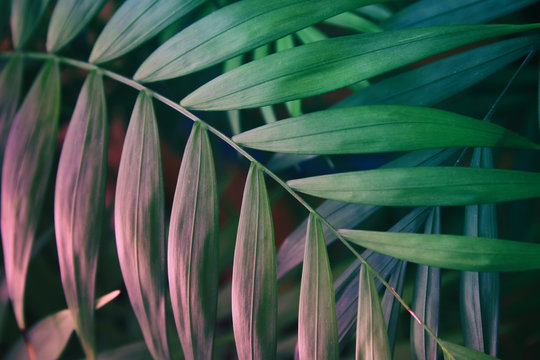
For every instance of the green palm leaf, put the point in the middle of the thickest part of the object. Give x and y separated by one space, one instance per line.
334 63
233 30
68 19
135 22
425 186
377 128
451 251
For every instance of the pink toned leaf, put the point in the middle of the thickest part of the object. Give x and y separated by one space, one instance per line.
27 165
317 324
79 205
193 248
254 284
139 225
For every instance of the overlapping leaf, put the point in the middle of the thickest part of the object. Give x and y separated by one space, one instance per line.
433 12
432 83
346 215
49 337
25 17
479 295
193 248
10 83
135 22
68 19
317 324
80 204
423 186
451 251
139 225
347 284
371 336
254 284
377 128
27 164
233 30
425 303
334 63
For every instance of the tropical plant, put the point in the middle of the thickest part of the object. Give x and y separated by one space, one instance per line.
373 106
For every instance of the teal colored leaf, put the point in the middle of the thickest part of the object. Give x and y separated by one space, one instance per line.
434 12
135 22
68 19
351 20
233 30
79 205
377 128
27 164
293 107
49 337
459 352
479 295
426 298
193 248
451 251
139 224
25 17
317 324
234 115
371 336
332 64
254 284
437 81
310 35
10 83
378 12
346 215
425 186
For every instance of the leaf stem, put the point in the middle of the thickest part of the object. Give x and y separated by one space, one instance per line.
138 86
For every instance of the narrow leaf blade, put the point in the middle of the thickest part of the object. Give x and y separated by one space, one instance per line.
433 12
451 251
10 83
80 203
193 248
377 128
139 225
479 295
254 284
135 22
425 302
27 165
68 19
25 17
233 30
439 80
334 63
371 336
424 186
317 323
